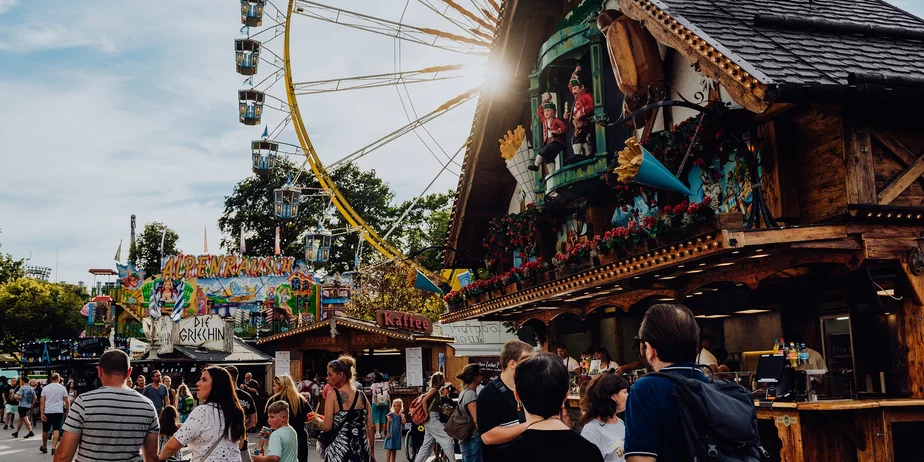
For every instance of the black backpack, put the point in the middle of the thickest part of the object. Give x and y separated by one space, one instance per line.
718 418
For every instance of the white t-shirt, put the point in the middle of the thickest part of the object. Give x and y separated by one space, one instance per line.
570 363
609 438
203 426
705 357
54 394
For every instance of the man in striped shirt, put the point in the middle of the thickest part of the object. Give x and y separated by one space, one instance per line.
112 423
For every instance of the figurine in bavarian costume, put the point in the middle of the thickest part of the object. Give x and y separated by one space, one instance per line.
583 140
553 133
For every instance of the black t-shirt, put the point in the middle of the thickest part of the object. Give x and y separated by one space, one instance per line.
496 406
12 401
4 391
535 445
252 384
247 402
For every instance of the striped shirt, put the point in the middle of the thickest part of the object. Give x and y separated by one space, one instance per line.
112 423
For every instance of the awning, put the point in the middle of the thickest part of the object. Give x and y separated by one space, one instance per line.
241 354
477 349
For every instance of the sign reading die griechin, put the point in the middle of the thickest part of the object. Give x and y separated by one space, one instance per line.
211 332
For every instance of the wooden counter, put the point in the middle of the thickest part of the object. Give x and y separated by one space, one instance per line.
843 430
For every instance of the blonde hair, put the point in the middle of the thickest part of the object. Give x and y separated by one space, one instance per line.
287 393
183 390
279 407
346 365
397 402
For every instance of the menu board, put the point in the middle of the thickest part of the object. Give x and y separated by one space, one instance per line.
414 358
282 363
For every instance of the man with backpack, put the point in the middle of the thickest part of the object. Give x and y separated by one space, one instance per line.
310 389
677 413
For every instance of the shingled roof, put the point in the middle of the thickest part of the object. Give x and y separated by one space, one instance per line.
811 41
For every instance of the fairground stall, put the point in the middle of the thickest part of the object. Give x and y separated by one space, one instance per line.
398 344
759 162
74 359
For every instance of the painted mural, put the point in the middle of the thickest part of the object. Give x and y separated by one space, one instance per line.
262 294
728 185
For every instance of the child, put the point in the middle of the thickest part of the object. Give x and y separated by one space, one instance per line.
283 442
394 424
186 403
169 424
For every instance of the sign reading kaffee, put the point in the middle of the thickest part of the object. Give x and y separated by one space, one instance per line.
392 319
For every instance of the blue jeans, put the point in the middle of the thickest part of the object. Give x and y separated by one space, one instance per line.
471 449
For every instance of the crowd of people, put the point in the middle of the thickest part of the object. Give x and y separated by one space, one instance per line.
521 415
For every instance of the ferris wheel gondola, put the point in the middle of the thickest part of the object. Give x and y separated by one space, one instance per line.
247 55
252 12
251 106
264 153
286 200
317 245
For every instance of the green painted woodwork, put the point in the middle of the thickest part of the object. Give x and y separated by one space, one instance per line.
564 42
573 173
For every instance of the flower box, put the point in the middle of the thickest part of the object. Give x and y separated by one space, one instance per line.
512 288
607 258
496 293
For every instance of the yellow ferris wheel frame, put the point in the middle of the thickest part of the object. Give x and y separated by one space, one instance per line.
340 202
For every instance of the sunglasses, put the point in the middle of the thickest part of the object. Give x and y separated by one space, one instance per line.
336 365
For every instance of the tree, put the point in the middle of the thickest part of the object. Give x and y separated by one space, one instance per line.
251 205
390 286
425 227
11 268
146 253
33 309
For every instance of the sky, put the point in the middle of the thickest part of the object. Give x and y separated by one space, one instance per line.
119 108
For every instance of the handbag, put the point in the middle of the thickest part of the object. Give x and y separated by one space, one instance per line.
419 415
460 425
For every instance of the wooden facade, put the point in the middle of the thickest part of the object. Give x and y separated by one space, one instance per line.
840 165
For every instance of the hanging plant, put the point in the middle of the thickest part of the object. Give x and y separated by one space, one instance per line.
515 231
704 140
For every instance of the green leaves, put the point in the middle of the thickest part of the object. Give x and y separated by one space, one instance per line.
146 252
32 309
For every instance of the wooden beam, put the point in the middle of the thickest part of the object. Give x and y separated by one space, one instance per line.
901 183
915 283
893 145
784 235
774 111
712 63
858 158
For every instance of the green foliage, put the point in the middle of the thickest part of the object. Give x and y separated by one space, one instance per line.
146 255
33 309
251 205
11 268
426 226
390 286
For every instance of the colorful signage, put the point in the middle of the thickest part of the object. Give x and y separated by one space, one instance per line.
210 332
397 319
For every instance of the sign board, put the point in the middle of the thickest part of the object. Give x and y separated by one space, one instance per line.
370 340
282 363
396 319
476 332
414 366
486 363
210 332
319 341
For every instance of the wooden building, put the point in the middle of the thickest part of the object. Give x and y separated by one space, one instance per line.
799 120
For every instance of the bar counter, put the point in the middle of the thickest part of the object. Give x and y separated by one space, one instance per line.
881 430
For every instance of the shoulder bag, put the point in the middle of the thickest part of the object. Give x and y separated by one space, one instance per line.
460 424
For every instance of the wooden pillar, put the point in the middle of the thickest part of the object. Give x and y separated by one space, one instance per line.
599 93
911 340
858 158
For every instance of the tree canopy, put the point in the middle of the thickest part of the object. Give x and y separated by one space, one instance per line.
11 268
390 286
33 309
146 254
251 205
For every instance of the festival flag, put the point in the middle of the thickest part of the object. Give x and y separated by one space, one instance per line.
118 255
277 242
243 243
162 238
265 132
205 241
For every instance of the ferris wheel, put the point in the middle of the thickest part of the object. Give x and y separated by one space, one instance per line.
457 36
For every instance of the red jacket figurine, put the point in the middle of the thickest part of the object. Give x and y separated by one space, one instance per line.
553 129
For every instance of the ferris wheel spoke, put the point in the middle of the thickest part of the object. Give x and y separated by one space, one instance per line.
430 74
424 127
414 34
471 28
470 15
413 204
444 108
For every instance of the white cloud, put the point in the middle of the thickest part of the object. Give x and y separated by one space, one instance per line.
6 5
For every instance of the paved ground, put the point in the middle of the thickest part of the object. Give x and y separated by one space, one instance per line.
27 449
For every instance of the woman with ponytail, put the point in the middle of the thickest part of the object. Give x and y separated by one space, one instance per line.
604 398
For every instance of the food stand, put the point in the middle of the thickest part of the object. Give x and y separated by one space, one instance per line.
798 216
379 345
